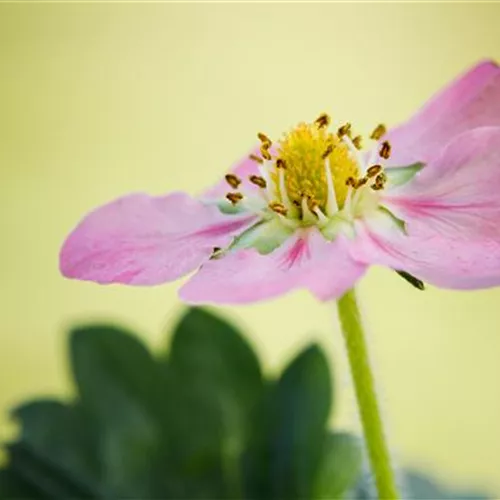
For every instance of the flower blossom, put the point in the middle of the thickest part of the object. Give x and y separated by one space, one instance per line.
313 210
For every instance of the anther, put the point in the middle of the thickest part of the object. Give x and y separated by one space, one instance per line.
323 120
280 163
234 197
350 181
278 207
258 181
344 130
264 139
328 151
378 132
256 158
312 203
360 182
216 252
264 151
373 171
385 150
357 142
233 180
379 182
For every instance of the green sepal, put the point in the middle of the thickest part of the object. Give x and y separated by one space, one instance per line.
265 236
228 208
397 176
335 226
399 223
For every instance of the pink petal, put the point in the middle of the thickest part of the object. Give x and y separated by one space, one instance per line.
473 100
452 214
145 240
306 260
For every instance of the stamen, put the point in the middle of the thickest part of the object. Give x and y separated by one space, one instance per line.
258 181
264 139
357 142
354 150
233 180
379 131
380 181
327 152
265 170
385 150
283 191
344 130
234 197
280 163
256 158
360 182
323 120
264 151
307 215
331 197
350 181
373 171
320 215
278 207
216 253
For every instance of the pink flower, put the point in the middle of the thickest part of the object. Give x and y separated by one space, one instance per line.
313 211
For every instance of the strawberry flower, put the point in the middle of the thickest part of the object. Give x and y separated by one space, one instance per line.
312 210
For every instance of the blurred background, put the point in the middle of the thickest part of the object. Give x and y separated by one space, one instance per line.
101 100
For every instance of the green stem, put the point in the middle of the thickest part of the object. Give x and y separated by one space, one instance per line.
364 385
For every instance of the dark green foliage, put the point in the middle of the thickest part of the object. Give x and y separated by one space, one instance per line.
200 422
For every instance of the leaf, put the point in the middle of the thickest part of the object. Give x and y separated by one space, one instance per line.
12 487
64 436
301 404
215 382
339 467
120 385
46 476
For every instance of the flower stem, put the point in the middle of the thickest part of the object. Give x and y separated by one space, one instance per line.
364 385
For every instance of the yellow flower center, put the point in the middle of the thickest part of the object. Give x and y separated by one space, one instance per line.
304 151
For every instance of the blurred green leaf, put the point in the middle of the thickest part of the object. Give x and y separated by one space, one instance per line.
340 466
63 434
301 406
45 475
12 487
215 381
120 385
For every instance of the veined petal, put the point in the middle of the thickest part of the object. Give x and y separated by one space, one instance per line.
458 192
146 240
473 100
452 216
245 276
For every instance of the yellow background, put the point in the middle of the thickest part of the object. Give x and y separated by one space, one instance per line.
100 100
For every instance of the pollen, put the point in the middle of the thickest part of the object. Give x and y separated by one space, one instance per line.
233 180
234 198
304 151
